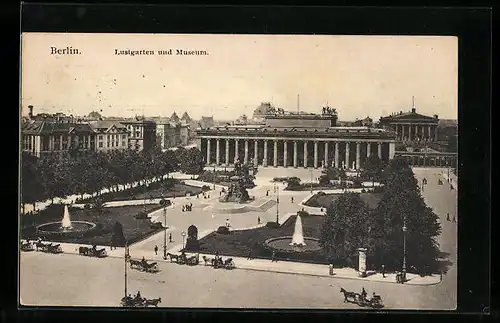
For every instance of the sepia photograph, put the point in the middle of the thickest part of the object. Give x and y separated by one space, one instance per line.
238 171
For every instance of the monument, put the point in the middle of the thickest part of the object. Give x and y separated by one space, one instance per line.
298 237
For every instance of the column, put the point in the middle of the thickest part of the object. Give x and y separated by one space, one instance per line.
208 151
264 161
397 131
337 155
295 154
245 160
227 152
368 148
315 154
255 151
435 134
217 152
236 148
305 154
275 153
285 153
409 133
379 150
358 155
429 133
392 150
416 132
347 155
326 154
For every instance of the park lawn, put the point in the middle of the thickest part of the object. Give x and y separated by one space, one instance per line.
325 200
133 230
239 243
152 192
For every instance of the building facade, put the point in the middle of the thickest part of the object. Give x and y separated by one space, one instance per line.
110 135
172 134
295 140
42 138
142 133
411 126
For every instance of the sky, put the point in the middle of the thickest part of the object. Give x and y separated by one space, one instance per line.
360 76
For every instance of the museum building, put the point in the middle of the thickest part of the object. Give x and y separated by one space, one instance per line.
290 139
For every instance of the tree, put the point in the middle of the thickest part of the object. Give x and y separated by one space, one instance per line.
373 168
345 229
330 174
402 203
191 161
118 238
32 188
192 239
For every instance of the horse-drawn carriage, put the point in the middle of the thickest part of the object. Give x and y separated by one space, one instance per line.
361 300
92 252
139 302
142 265
183 259
218 262
48 247
27 246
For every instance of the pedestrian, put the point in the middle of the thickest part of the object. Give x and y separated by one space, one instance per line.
170 237
156 250
454 220
383 271
273 257
249 254
291 199
441 276
258 219
267 193
448 217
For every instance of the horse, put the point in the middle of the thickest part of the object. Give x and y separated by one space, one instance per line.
154 302
348 295
83 250
172 257
208 260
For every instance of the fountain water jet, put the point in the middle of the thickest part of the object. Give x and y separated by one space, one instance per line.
298 236
66 221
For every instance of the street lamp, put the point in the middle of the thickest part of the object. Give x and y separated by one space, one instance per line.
183 234
311 180
404 248
164 203
277 204
214 177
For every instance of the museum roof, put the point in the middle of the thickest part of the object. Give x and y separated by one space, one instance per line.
407 116
46 127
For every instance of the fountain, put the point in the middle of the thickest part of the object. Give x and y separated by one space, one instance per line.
65 227
294 244
66 221
298 237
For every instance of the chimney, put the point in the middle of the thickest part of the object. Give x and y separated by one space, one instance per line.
413 110
30 114
435 116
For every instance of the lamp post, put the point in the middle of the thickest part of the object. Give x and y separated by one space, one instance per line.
165 229
126 257
183 234
277 204
404 248
214 177
311 180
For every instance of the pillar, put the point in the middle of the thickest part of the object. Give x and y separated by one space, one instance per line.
326 154
245 160
236 148
416 132
208 150
337 155
255 151
379 148
276 153
435 134
315 154
429 133
392 150
347 155
227 152
305 154
264 161
217 151
295 164
285 153
368 149
409 133
397 131
358 155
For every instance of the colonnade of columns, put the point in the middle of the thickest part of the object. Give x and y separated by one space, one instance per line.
285 152
423 160
415 132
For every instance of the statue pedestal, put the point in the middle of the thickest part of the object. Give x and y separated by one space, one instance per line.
362 262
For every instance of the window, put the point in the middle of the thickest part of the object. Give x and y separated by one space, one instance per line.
124 136
108 144
100 137
100 144
123 143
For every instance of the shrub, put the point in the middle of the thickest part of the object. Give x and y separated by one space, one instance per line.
141 215
205 188
223 230
302 213
272 225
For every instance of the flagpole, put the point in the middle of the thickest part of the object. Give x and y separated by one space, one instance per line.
126 256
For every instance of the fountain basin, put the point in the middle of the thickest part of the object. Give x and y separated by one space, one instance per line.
56 229
282 244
